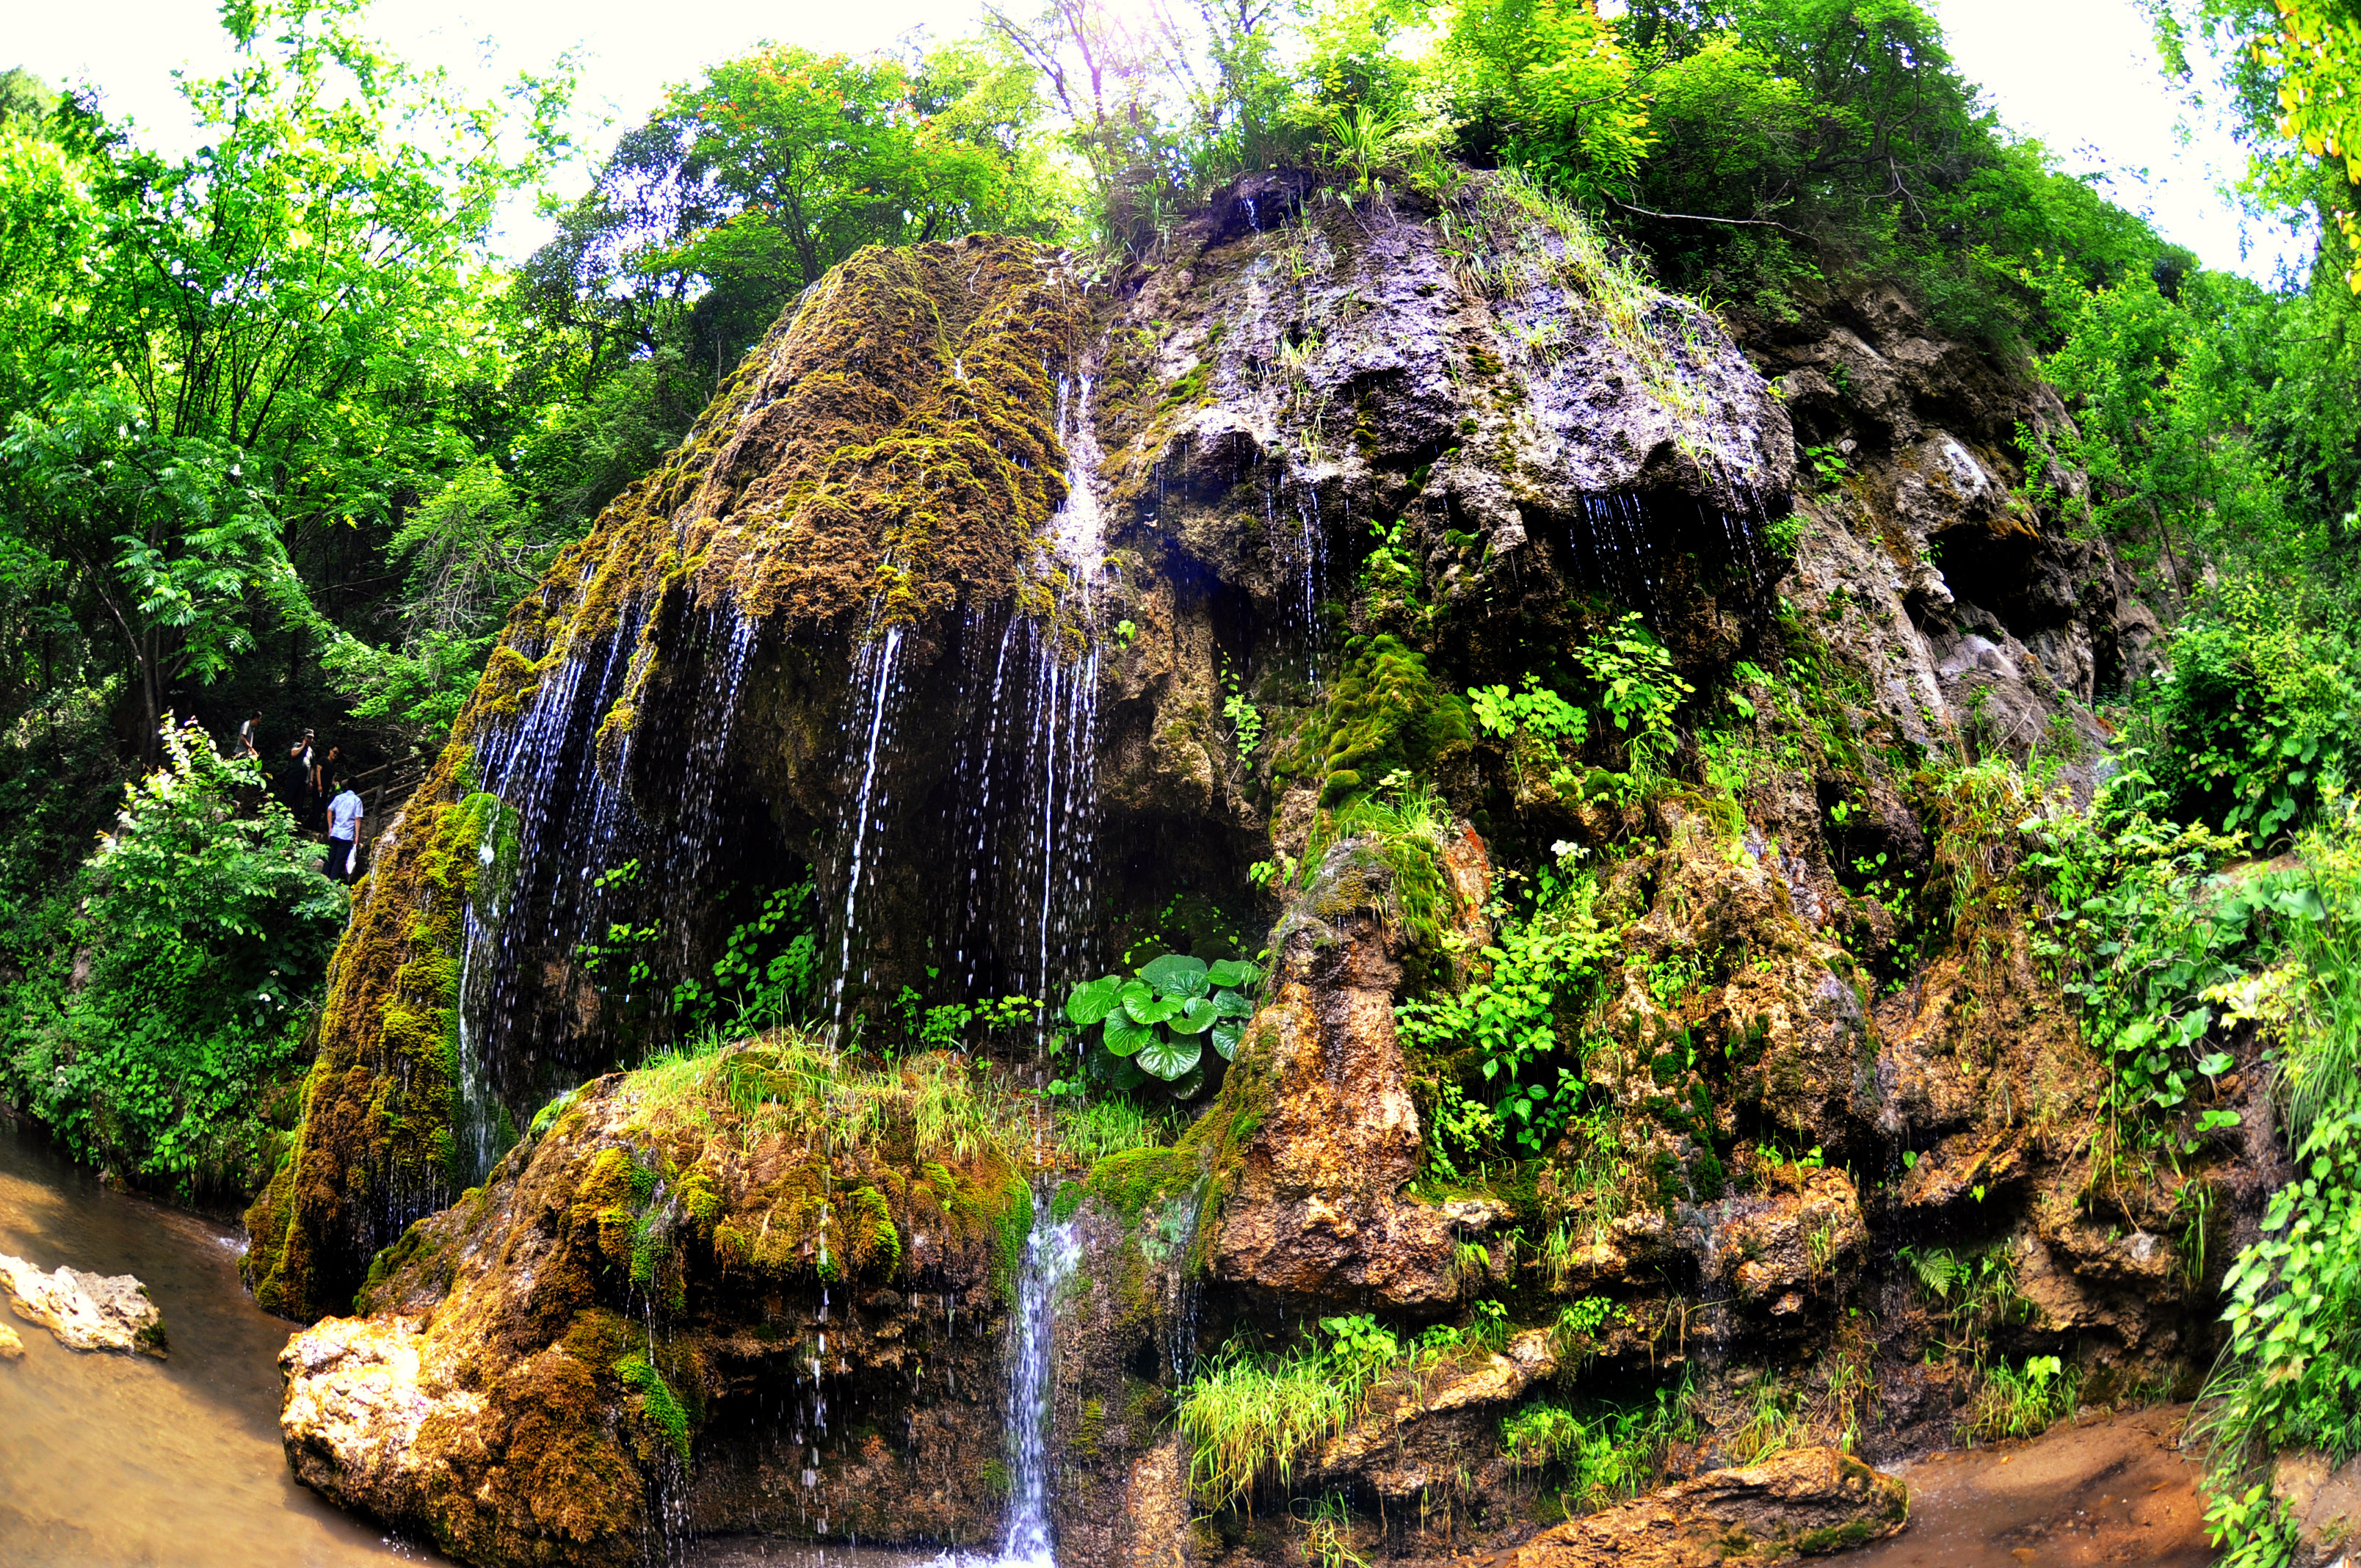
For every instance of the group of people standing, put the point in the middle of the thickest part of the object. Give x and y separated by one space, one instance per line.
322 793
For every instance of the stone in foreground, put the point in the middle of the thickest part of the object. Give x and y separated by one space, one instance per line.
1799 1504
86 1311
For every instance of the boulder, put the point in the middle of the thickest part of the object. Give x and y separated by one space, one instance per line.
1800 1503
1421 1431
86 1311
11 1347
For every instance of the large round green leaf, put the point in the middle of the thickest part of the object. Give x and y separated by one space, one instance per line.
1125 1037
1146 1007
1177 974
1190 1084
1168 1058
1233 973
1092 1000
1116 1072
1233 1005
1197 1016
1226 1035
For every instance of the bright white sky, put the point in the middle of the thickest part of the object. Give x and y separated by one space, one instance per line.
2079 74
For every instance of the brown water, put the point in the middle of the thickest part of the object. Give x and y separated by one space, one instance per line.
107 1461
2102 1491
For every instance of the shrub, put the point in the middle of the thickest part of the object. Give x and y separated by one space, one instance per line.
170 985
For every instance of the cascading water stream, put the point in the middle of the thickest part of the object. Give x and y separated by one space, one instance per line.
875 671
1050 1254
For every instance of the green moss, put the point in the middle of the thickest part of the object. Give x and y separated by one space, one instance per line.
1067 1199
1384 712
1085 1441
1128 1182
659 1406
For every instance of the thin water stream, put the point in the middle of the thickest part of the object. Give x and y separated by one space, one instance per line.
107 1460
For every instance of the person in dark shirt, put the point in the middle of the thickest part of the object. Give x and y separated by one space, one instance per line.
331 774
307 778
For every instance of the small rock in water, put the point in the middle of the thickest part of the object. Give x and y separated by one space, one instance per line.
11 1347
86 1311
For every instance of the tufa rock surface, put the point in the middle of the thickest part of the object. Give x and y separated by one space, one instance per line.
1805 1502
83 1311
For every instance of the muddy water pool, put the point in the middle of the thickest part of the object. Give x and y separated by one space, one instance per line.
108 1461
2110 1491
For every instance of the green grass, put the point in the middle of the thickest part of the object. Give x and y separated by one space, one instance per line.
1104 1127
1248 1417
2023 1401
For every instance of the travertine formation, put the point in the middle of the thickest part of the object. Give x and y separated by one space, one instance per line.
83 1311
1343 463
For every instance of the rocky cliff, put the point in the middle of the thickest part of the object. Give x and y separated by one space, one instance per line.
1045 620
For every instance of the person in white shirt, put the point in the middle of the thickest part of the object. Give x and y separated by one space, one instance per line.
344 831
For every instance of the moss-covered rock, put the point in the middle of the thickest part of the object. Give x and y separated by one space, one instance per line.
614 1318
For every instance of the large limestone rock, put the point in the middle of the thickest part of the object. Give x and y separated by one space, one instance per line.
1316 1209
1804 1502
83 1311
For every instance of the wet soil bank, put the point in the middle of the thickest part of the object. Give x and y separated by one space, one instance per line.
111 1460
2109 1489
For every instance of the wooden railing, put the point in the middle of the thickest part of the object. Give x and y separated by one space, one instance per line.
395 782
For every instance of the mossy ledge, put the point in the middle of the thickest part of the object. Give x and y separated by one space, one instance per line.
645 1279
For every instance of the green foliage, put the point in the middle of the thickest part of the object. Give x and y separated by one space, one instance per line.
253 346
2255 724
2293 1375
1154 1026
1605 1457
2023 1402
767 970
470 555
1797 140
1510 1030
1640 691
1250 1418
1096 1129
2142 933
164 986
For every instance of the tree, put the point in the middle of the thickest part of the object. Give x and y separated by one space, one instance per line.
256 348
740 192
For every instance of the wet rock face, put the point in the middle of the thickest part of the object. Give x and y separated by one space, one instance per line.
83 1311
1970 611
1805 1502
943 589
1315 1209
684 1301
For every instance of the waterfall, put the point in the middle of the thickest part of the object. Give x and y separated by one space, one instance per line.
1028 775
874 674
1050 1254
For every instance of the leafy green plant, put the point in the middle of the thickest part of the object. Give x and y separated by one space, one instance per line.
1156 1025
1245 723
2023 1402
764 974
1829 465
1639 692
167 987
1509 1023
